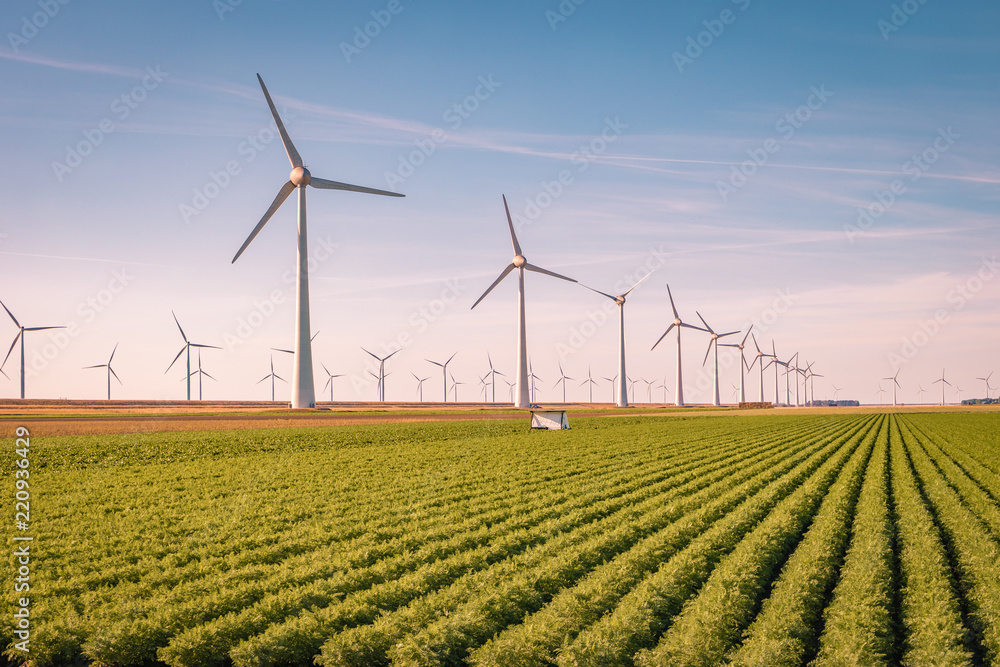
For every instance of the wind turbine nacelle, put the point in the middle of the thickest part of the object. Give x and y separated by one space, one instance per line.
300 176
519 261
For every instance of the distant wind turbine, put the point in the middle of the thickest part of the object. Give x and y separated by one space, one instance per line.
187 349
454 386
329 380
985 379
273 376
622 396
111 371
381 372
759 360
895 383
200 373
533 377
444 373
942 382
713 342
920 393
519 263
614 387
679 324
562 379
836 391
743 362
493 376
589 381
20 336
420 385
303 390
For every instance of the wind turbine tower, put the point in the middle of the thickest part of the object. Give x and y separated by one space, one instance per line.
20 336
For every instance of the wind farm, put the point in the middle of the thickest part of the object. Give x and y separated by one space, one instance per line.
479 462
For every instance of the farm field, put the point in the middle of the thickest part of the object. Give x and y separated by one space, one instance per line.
778 539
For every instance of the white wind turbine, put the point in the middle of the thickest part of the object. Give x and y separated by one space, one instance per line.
303 390
493 376
943 382
622 395
420 385
273 376
776 362
920 393
589 381
759 360
454 386
519 263
985 379
20 336
329 380
187 349
444 373
381 372
812 381
836 392
880 392
714 342
562 379
895 383
743 362
111 371
533 377
614 386
201 374
679 388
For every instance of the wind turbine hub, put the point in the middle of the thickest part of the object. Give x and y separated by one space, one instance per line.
620 300
677 321
300 176
519 261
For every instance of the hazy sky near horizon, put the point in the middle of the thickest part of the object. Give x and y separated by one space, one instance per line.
825 170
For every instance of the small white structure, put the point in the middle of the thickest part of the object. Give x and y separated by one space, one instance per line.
553 420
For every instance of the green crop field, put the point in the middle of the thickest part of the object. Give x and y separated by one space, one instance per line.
823 539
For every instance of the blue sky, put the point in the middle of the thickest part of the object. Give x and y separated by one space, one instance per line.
647 113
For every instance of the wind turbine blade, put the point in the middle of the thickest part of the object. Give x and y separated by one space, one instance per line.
293 155
708 328
538 269
707 351
19 334
510 267
755 344
207 375
16 323
266 377
41 328
175 360
324 184
743 342
396 352
672 325
183 335
434 362
376 358
637 284
600 292
672 306
113 354
691 326
116 374
729 334
313 337
281 378
207 347
279 199
276 349
97 366
449 359
510 225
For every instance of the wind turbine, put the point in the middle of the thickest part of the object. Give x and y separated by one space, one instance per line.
533 377
790 369
743 362
759 360
510 389
444 373
493 377
895 383
485 385
273 376
519 263
201 373
943 383
880 392
622 398
776 362
959 391
20 336
631 387
303 390
679 392
562 379
614 387
663 386
812 382
920 393
713 341
589 381
329 380
985 379
836 391
420 385
454 386
187 348
111 371
381 373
